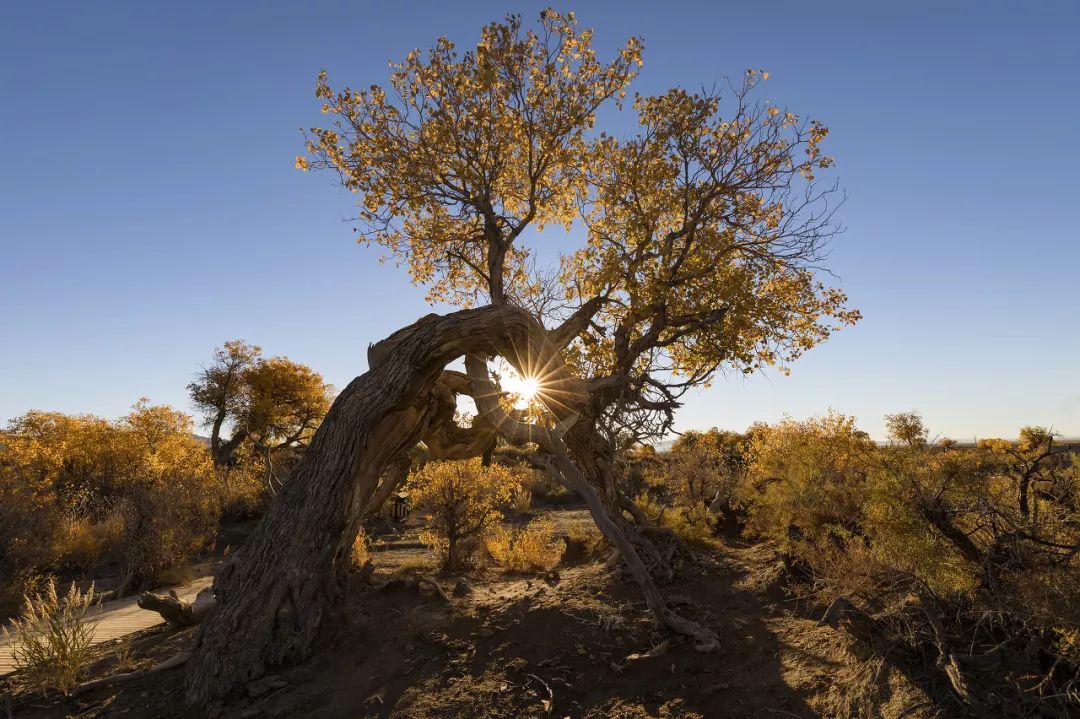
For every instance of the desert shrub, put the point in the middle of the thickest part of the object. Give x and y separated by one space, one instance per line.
361 549
52 638
978 544
584 542
78 544
77 491
533 548
166 524
691 523
242 486
807 481
701 469
463 500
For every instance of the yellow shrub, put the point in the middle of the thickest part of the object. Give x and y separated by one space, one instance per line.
75 490
361 552
534 548
77 544
691 524
464 500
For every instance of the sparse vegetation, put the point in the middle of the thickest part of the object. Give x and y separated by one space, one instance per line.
532 548
948 552
52 637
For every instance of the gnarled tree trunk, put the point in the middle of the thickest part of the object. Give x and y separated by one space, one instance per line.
273 595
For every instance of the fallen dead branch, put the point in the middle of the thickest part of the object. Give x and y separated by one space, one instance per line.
411 582
170 663
549 703
177 612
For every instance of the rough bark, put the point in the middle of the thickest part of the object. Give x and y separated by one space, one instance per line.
274 595
395 474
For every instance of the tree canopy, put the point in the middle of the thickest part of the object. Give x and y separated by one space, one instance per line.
704 230
274 402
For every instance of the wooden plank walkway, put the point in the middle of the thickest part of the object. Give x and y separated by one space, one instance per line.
114 620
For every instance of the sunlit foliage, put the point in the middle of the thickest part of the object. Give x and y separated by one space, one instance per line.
533 548
78 490
704 229
972 532
272 403
465 149
462 501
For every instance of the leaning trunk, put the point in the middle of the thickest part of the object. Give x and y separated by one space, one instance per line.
274 595
592 457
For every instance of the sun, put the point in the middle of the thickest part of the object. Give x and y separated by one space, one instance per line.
524 388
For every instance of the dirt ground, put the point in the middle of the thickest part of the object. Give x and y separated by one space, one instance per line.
519 646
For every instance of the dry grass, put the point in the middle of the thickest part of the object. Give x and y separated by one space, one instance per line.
361 550
124 655
53 637
522 499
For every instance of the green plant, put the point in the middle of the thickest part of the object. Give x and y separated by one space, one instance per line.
53 637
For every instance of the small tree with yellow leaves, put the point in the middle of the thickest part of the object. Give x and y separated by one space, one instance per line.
462 500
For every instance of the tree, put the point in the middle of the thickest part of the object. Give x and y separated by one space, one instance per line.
907 428
276 403
704 229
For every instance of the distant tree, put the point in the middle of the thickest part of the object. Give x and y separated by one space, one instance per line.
275 402
1033 460
218 394
907 428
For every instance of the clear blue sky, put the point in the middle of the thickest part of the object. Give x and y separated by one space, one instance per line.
149 209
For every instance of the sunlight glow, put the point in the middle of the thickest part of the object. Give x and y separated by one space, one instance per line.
524 388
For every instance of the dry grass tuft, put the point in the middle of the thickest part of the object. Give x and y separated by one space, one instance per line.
53 637
361 550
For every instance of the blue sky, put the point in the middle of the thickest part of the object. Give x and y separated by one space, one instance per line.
149 209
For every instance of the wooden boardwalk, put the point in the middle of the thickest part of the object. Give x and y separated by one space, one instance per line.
114 620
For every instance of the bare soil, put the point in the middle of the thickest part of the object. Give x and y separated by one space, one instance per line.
519 646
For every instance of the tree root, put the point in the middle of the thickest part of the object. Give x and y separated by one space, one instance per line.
438 588
170 663
415 583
